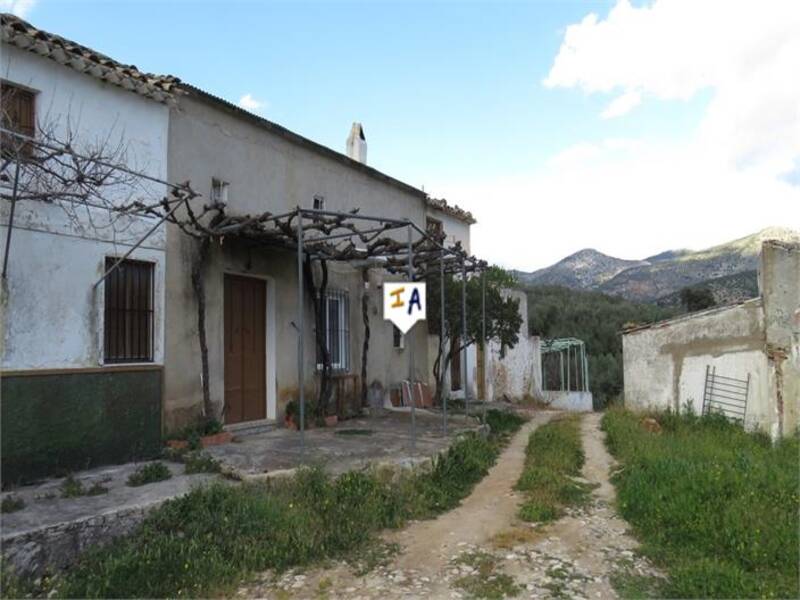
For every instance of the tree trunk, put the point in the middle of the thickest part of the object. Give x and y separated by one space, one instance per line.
317 295
198 284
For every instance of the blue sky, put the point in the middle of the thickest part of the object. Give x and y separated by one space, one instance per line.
452 97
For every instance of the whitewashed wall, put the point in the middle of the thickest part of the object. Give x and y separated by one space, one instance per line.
665 364
51 317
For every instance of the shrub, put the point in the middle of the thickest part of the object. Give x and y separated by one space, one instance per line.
149 473
714 505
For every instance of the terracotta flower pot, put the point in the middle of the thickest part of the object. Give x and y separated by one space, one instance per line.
223 437
331 420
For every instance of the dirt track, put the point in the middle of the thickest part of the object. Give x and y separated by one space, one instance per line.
574 557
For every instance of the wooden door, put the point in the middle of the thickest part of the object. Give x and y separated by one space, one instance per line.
245 349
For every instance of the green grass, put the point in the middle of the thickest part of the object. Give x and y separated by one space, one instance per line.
554 456
203 544
714 506
149 473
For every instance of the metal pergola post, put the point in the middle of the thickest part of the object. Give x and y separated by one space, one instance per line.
483 339
411 349
569 386
585 370
11 218
442 330
464 371
300 330
561 367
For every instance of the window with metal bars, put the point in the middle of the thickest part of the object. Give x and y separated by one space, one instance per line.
336 307
17 114
128 325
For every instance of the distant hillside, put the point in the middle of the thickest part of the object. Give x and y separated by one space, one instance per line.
595 318
586 269
663 275
726 290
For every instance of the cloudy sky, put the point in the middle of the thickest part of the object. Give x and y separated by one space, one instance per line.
631 127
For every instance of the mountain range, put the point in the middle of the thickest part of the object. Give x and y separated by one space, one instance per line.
729 270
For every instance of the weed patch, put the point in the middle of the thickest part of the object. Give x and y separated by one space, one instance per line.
200 462
206 542
353 432
518 536
11 504
553 458
73 488
484 580
149 473
715 506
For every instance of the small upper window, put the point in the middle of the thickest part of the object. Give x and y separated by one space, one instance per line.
17 114
398 339
319 202
434 226
219 191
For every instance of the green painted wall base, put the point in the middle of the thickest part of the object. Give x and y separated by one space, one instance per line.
56 423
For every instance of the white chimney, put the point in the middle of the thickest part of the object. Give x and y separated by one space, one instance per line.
357 144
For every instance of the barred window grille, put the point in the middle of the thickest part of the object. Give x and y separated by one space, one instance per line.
128 324
336 312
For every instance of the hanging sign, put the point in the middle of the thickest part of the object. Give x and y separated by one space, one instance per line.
404 304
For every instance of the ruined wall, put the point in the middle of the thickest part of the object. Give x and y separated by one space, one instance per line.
665 364
779 281
519 373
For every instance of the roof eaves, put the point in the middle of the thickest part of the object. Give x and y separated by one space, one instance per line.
21 34
687 316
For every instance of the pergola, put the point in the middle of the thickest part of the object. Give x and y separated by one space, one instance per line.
565 359
67 176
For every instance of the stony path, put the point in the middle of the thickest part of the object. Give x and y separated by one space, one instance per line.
481 548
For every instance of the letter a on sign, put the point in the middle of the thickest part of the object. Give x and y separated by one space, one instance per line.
404 304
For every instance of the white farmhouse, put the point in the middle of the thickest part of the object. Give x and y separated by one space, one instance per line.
81 360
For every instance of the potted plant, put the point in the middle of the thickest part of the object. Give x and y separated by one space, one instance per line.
203 433
291 416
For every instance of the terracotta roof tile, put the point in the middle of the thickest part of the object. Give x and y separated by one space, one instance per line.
16 32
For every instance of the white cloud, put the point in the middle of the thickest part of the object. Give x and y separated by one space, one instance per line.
747 53
622 105
737 172
21 8
629 200
247 102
